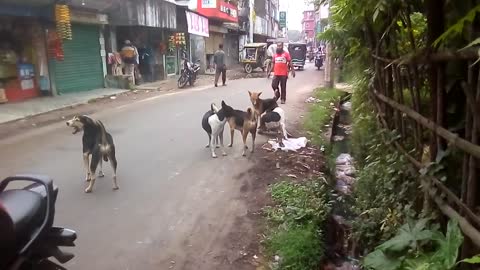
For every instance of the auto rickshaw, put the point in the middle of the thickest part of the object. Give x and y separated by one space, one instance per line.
298 53
254 56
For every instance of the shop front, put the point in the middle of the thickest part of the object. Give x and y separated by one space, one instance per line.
198 30
155 36
215 38
81 63
219 12
23 59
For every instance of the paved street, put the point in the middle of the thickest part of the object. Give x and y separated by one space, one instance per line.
176 208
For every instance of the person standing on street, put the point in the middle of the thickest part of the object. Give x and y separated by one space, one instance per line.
129 57
220 66
282 63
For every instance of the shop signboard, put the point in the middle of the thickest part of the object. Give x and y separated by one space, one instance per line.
219 10
283 19
197 25
209 3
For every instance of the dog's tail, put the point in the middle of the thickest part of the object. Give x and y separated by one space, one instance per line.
104 145
214 108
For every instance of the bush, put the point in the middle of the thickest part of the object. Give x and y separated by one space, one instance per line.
295 220
300 248
386 190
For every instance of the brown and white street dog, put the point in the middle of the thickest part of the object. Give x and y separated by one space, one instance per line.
245 122
97 145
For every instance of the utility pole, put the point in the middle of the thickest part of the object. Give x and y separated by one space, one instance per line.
251 4
330 67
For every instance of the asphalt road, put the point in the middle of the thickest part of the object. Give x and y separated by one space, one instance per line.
177 208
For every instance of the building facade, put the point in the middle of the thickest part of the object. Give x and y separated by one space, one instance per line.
308 25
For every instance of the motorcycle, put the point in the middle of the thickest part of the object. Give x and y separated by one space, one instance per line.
189 73
28 238
318 60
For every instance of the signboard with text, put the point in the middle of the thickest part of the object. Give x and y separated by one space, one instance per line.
197 25
283 19
218 10
209 3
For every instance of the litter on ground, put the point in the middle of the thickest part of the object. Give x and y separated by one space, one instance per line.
290 144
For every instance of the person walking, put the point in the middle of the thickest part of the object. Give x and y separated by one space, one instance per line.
129 56
282 63
220 66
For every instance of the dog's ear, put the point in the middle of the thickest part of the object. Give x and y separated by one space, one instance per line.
224 104
249 93
259 94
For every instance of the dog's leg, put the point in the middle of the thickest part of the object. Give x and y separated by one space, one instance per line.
209 141
100 172
212 143
232 133
280 136
217 145
86 163
113 162
96 156
254 135
221 143
244 136
284 130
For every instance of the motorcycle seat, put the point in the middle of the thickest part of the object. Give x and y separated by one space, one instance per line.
26 210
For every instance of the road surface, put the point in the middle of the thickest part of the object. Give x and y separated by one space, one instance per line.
177 208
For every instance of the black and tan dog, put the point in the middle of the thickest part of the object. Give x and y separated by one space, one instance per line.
245 122
97 145
262 105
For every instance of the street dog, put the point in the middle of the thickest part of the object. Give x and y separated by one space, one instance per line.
245 122
97 145
275 121
213 122
262 105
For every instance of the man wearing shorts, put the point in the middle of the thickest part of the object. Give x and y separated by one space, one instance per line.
282 63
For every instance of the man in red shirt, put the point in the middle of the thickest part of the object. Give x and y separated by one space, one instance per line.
282 63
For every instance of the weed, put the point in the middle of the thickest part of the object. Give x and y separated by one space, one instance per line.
300 247
321 114
295 219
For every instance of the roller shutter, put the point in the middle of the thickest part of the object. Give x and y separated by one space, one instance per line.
81 69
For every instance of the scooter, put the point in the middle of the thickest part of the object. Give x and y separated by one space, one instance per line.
28 238
189 73
318 60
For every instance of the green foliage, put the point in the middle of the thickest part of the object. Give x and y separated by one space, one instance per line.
295 219
300 248
320 114
458 27
419 246
385 191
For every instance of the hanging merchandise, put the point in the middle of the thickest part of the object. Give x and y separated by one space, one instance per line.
171 43
180 40
62 19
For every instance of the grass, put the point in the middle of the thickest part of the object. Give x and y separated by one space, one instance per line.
299 211
320 114
300 248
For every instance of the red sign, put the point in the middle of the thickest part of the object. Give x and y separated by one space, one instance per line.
223 11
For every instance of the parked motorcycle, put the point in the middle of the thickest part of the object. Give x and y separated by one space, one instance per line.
28 238
188 73
318 60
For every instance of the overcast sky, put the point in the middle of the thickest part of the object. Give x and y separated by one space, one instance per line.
294 9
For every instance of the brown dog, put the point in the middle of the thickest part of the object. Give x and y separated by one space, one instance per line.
262 105
245 122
